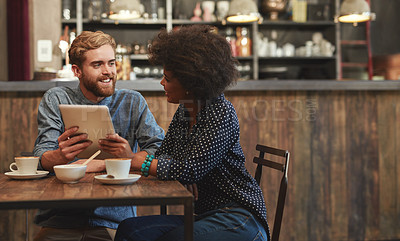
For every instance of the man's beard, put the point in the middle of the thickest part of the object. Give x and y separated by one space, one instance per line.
96 89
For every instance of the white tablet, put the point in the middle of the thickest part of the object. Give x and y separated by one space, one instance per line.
95 120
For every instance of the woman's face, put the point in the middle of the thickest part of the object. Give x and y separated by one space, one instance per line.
173 89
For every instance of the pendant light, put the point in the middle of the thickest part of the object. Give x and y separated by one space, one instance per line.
243 11
355 11
124 9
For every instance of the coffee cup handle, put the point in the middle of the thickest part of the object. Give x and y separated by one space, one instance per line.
12 165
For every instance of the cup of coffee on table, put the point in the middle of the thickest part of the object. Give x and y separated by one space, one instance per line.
25 164
118 167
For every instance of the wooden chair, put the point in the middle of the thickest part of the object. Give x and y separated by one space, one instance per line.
283 167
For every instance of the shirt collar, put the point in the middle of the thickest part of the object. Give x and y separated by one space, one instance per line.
85 101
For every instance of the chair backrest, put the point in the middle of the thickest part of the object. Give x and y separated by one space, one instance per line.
283 167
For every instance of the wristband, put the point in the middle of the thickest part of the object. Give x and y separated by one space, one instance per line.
146 165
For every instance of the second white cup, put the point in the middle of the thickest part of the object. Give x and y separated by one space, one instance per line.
25 164
118 167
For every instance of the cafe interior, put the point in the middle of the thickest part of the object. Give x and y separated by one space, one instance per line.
314 82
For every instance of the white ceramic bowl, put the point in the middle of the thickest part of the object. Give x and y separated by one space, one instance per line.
71 173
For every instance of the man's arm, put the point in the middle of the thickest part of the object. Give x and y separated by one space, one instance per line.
148 133
53 144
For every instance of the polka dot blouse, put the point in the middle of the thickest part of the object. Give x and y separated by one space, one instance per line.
210 156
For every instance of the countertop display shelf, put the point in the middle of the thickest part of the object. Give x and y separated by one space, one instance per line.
139 31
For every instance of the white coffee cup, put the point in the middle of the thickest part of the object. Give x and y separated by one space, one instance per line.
25 164
118 167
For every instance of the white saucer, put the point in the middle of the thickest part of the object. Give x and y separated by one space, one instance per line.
107 180
16 175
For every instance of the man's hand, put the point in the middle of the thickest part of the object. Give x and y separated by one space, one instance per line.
116 146
71 143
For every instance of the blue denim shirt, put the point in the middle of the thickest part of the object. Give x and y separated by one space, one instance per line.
132 120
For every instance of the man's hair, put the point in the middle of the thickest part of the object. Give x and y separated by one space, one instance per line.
198 57
86 41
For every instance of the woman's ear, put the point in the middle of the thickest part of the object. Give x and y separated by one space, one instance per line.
77 71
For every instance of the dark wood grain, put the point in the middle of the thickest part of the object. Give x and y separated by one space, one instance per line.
337 162
388 172
300 171
343 175
319 187
51 191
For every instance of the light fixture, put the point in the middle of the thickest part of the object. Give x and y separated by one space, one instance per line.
243 11
125 9
355 11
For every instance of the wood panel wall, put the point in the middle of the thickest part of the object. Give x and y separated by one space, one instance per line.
344 176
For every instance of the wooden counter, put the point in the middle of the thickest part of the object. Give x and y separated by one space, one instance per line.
250 85
343 137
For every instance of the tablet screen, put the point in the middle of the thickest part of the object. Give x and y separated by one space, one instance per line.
95 120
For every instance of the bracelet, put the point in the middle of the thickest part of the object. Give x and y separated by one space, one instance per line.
146 165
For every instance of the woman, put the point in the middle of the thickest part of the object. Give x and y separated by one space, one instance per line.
201 148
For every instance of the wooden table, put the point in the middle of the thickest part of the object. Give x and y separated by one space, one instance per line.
49 192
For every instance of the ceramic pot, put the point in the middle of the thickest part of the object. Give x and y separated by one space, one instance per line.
183 9
274 7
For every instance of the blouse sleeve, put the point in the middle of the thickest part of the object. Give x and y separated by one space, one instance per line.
214 135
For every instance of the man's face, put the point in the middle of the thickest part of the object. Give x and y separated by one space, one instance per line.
98 73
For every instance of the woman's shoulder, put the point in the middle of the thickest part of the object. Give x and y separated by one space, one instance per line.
218 109
220 104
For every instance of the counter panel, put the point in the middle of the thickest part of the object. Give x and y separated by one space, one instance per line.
343 173
250 85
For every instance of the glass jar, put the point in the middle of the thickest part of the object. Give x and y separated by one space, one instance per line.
243 42
231 38
123 63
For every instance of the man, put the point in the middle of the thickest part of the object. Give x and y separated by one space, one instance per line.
92 55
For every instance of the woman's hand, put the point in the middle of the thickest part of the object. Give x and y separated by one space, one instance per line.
193 189
137 160
95 165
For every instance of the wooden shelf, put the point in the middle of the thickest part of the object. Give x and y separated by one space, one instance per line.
139 57
352 65
353 42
